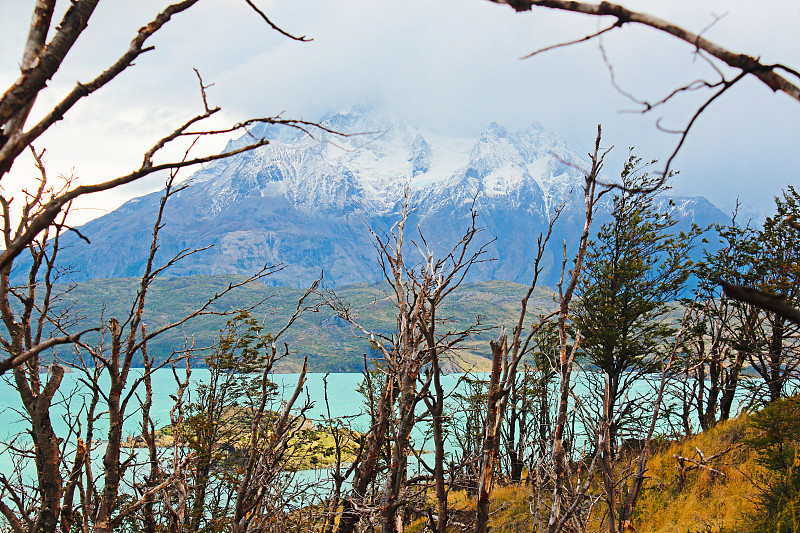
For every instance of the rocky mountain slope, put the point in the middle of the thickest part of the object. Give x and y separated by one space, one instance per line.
307 203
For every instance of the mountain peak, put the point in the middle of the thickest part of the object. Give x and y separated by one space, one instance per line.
307 203
494 130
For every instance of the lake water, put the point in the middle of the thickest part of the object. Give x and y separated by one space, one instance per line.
344 401
342 395
343 398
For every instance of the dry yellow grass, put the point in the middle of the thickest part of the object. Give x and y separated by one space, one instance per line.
707 500
509 511
510 508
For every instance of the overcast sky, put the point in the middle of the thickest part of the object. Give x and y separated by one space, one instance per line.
449 65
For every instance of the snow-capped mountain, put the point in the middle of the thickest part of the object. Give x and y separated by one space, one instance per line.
307 202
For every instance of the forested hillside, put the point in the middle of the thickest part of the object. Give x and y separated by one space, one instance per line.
330 343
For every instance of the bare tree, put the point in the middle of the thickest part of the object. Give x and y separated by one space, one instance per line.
259 500
342 434
566 496
412 367
46 48
555 468
36 320
105 370
503 381
778 77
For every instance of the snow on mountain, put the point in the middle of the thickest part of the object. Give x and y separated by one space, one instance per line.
371 168
306 202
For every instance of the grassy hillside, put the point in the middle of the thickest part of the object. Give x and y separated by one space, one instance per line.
714 498
330 343
711 498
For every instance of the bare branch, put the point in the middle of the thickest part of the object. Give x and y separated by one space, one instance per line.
203 88
34 80
743 62
127 511
52 208
302 38
665 173
576 41
746 65
771 302
40 25
18 359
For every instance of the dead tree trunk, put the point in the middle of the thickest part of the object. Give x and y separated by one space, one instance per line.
558 513
417 292
437 415
491 439
367 470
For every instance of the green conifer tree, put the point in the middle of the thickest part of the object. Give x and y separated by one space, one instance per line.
777 264
634 269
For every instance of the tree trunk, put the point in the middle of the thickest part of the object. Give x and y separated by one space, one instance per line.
731 383
111 460
607 453
389 500
48 455
438 439
493 420
365 474
776 375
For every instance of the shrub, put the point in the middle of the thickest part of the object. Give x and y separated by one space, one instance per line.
775 438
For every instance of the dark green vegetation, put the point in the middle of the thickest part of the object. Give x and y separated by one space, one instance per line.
776 441
637 265
331 344
635 268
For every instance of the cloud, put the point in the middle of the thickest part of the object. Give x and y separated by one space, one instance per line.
450 65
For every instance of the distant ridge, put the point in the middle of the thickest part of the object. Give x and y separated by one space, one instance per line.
331 344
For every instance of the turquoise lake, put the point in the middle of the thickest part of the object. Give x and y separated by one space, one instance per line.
344 401
343 396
